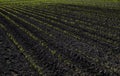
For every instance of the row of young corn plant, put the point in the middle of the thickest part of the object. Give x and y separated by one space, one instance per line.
13 61
93 25
75 18
107 40
66 10
22 50
118 38
37 20
52 6
24 36
64 21
45 64
101 26
63 50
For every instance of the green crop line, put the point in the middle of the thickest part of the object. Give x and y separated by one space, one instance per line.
66 62
53 52
102 65
86 23
52 15
49 25
80 21
21 49
91 35
72 37
59 55
86 33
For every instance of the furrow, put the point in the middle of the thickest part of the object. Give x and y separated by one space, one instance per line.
95 37
21 49
35 38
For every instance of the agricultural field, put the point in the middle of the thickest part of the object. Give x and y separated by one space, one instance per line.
41 38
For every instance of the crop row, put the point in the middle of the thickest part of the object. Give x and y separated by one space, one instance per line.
47 37
41 27
84 19
52 40
21 49
25 38
90 30
55 15
51 16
